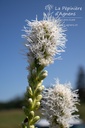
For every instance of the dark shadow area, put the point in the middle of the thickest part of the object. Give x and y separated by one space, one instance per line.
80 84
15 103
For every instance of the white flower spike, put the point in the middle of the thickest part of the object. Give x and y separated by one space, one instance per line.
59 104
45 38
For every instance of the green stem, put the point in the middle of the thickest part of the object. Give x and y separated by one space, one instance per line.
33 94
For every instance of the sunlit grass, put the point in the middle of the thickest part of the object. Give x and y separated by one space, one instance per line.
11 118
81 108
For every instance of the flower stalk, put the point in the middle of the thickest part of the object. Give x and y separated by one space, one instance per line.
33 94
45 39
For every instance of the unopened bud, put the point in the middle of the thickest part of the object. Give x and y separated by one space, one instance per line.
29 90
36 118
40 83
30 102
38 90
43 74
42 87
32 126
31 114
39 97
37 105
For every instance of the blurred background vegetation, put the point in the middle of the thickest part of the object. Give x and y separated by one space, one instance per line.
11 113
80 85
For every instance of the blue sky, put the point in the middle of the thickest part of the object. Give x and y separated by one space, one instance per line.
13 73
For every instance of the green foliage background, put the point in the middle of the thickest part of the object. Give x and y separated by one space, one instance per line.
13 118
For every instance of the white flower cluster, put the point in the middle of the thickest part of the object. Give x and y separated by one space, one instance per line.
45 38
59 104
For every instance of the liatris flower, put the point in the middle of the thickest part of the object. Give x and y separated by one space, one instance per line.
45 39
59 104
